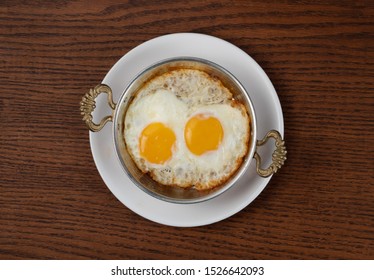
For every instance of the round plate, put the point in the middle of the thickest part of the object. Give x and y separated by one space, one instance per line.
268 113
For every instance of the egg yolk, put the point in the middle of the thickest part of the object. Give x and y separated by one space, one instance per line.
203 134
156 142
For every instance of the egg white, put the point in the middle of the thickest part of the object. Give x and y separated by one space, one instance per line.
185 169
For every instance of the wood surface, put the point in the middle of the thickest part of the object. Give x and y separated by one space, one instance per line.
319 56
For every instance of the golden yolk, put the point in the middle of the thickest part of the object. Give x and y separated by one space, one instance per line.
203 134
156 142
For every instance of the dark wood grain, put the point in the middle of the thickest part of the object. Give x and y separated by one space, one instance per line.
319 56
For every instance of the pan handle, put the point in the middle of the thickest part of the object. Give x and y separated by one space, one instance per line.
278 157
88 105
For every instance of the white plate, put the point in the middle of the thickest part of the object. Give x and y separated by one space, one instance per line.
268 113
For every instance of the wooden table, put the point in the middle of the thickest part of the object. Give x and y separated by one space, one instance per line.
54 204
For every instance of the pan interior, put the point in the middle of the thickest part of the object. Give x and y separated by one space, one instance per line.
144 181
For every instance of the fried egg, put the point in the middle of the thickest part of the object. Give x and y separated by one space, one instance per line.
185 130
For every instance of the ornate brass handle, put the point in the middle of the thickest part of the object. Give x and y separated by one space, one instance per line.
88 105
278 157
